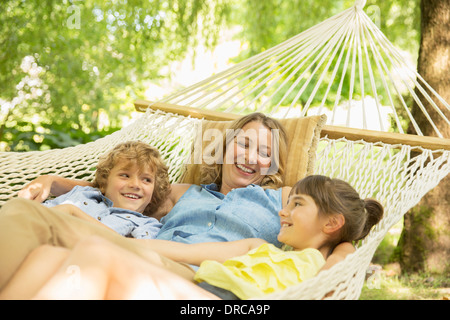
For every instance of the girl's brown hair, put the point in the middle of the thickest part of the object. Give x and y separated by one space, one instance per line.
213 172
144 156
334 196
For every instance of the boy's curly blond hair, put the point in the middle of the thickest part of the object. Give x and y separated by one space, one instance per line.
144 156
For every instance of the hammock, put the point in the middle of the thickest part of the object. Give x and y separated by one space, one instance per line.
286 82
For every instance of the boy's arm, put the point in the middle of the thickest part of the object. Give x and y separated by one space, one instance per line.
339 253
196 253
40 188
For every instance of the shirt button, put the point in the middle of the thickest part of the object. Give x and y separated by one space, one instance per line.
209 224
99 218
85 203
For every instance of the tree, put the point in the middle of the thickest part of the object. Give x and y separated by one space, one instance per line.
95 57
425 241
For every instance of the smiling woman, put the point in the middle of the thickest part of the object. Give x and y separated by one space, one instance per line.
246 159
255 139
239 201
254 149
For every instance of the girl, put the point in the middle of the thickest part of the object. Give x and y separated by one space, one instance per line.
321 213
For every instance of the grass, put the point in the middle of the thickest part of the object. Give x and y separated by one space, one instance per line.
390 286
388 283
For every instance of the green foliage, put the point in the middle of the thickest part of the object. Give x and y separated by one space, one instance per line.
270 22
66 65
92 56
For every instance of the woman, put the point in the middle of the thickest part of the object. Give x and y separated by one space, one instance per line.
244 204
226 214
234 181
242 201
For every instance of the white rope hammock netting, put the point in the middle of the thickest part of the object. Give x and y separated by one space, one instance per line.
306 71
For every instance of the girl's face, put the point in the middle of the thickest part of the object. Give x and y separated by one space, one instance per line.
130 188
247 157
301 225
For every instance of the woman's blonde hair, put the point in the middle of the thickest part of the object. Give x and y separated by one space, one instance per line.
144 156
212 173
334 196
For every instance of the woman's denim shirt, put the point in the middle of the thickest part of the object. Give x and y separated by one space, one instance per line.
203 214
125 222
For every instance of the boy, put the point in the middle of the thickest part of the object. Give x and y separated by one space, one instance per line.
131 182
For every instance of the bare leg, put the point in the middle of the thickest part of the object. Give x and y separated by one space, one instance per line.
26 225
37 269
106 271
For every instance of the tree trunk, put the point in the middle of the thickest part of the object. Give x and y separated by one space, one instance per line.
425 242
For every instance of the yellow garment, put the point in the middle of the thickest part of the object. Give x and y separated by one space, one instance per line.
261 271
